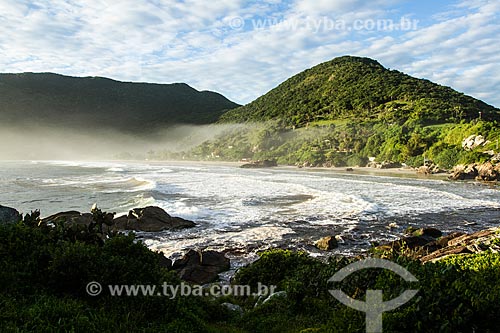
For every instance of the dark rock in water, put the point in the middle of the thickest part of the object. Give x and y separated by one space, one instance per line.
9 215
327 243
69 217
349 169
164 261
431 232
260 164
150 219
201 267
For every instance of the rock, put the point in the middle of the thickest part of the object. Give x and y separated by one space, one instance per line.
431 232
473 142
415 243
424 170
70 217
150 219
201 267
463 172
260 164
164 261
384 165
327 243
233 307
487 172
443 241
496 158
9 215
428 250
445 252
349 169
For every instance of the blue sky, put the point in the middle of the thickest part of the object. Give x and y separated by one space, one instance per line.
242 49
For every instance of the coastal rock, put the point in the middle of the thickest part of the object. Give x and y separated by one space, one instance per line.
384 165
429 169
431 232
424 170
428 249
487 172
9 215
150 219
71 217
201 267
260 164
463 172
327 243
164 261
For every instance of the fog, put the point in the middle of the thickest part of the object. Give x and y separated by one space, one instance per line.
47 143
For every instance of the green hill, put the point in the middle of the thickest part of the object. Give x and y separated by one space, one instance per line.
353 87
344 111
95 102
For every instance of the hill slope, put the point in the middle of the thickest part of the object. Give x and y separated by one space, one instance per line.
353 87
62 101
350 109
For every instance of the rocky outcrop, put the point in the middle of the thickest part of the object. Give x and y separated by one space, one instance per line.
427 248
473 142
201 267
429 169
70 217
384 165
485 172
327 243
9 215
464 172
150 219
488 172
260 164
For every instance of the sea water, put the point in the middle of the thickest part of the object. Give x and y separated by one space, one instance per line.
242 211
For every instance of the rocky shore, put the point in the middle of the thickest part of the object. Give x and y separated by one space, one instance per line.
201 267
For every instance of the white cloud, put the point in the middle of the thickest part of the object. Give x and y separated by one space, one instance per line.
193 41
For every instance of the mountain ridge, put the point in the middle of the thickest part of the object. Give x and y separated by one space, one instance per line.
60 100
349 87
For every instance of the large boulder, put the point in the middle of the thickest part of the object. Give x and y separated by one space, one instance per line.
9 215
487 172
327 243
201 267
71 217
463 172
150 219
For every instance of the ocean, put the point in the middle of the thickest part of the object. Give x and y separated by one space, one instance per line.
242 211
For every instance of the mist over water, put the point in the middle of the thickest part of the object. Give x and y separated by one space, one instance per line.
244 210
36 142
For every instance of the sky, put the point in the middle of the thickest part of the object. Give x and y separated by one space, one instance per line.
243 49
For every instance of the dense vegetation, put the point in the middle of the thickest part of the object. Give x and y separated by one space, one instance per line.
351 87
349 109
62 101
44 271
346 143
